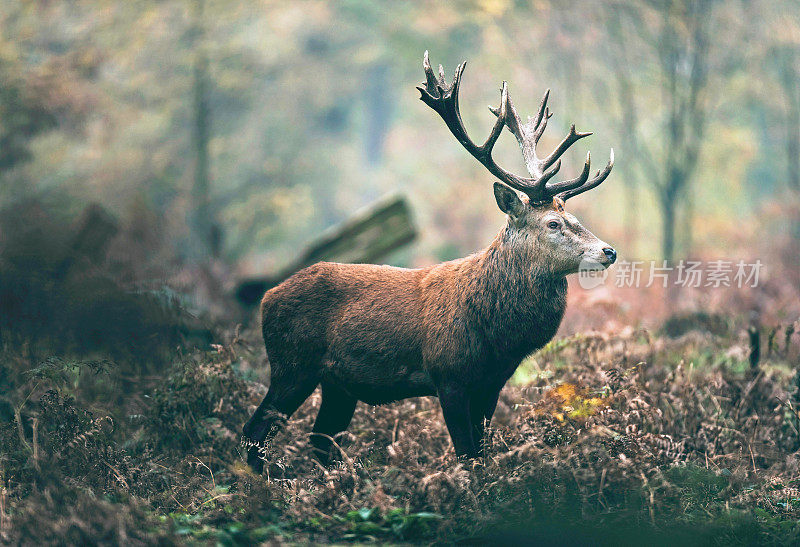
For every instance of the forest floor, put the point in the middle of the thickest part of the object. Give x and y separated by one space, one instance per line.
636 436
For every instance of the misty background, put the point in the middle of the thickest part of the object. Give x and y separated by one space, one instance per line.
223 137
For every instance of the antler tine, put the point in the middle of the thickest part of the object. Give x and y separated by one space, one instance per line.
511 117
572 137
542 109
598 178
502 119
578 181
430 79
542 116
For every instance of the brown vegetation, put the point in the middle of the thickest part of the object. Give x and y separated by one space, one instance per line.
624 434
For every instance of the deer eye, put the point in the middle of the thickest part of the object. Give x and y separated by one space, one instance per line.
553 225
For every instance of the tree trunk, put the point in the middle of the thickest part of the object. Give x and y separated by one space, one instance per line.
793 141
204 233
378 95
668 226
686 223
788 75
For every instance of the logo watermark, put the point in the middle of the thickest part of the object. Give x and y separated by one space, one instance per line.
591 274
685 273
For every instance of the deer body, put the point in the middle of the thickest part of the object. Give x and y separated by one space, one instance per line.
457 330
382 334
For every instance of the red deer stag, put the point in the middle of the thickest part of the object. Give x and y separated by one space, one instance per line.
456 330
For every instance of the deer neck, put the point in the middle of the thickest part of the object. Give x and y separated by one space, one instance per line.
521 301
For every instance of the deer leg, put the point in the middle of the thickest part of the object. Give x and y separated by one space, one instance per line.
334 416
455 407
284 397
481 410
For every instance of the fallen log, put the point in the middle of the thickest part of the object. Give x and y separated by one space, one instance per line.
366 237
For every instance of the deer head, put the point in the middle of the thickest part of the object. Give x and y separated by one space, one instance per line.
538 224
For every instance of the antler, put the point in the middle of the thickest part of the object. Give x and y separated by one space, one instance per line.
443 99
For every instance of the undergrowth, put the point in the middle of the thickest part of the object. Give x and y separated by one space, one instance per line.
624 438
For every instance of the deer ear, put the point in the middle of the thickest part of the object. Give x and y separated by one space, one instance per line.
508 200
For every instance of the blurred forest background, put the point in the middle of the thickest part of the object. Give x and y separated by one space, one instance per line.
154 154
239 131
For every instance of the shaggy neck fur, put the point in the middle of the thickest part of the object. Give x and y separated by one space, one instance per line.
519 303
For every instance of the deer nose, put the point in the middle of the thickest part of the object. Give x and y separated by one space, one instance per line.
611 254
